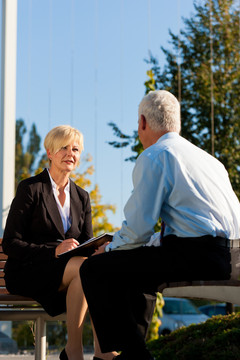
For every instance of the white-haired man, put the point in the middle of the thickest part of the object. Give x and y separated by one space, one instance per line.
190 191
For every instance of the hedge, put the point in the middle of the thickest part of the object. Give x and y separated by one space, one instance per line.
217 338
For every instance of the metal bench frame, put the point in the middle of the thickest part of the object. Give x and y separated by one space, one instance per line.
225 290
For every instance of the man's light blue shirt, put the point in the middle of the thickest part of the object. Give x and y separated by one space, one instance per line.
184 186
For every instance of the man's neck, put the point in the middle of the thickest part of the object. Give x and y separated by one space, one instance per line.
153 137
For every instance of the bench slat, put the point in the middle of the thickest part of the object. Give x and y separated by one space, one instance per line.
3 290
2 263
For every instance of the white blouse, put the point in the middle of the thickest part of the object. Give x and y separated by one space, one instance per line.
65 209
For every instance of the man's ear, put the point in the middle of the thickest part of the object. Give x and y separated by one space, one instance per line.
143 122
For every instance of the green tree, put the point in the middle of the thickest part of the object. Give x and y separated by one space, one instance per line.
23 334
202 70
25 158
99 211
156 322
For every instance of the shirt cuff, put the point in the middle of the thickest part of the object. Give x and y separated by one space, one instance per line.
108 248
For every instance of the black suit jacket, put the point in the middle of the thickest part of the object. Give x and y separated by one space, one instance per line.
34 223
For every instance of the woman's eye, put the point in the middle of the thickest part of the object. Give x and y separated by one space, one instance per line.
75 149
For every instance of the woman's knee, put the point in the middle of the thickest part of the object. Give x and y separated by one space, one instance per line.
76 261
72 270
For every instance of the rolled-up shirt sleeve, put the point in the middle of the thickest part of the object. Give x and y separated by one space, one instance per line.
142 210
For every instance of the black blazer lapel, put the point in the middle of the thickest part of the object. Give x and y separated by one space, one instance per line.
75 206
50 203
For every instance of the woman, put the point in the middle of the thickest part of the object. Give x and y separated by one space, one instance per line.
50 215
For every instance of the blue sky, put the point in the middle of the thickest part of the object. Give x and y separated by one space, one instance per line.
82 63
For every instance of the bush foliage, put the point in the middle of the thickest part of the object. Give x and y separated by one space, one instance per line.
217 338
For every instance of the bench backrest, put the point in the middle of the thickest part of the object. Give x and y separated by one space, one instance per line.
3 258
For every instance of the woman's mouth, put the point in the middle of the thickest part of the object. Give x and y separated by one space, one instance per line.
69 161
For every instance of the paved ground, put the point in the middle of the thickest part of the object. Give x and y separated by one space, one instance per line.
87 356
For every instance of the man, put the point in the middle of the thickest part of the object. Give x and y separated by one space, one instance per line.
190 191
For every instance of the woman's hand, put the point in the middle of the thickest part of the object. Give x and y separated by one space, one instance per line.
66 245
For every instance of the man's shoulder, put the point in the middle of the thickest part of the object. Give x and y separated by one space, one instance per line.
167 143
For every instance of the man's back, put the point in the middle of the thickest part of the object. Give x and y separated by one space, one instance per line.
197 196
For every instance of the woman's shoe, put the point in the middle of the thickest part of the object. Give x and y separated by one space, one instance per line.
63 355
123 357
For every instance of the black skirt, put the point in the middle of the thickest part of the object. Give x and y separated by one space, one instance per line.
40 281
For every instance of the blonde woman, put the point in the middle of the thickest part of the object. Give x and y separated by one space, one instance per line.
49 215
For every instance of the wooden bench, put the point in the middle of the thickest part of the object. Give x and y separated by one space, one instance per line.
19 308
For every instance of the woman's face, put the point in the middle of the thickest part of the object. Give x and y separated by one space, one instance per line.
66 159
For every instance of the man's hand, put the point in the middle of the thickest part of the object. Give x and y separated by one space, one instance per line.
66 245
101 249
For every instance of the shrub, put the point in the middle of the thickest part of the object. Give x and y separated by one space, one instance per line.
217 338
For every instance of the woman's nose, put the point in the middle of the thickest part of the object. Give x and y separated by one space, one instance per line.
70 151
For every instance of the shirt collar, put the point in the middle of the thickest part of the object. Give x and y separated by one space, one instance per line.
168 135
54 185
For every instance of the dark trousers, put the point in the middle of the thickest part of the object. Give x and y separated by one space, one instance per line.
115 283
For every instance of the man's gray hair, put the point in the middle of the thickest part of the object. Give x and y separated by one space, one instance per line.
161 110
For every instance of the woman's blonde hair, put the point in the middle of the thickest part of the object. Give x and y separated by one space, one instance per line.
61 136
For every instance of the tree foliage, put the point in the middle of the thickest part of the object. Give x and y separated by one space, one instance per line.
23 334
202 70
99 211
153 333
207 78
25 156
126 140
